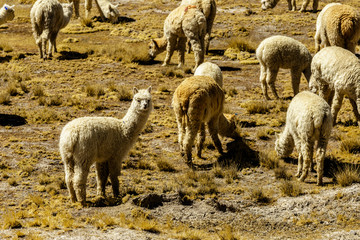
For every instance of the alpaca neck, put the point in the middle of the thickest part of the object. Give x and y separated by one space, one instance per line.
134 121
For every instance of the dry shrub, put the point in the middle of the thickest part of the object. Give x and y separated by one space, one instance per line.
165 166
173 72
256 106
94 90
290 189
258 195
282 173
103 221
127 52
87 22
12 89
243 44
350 144
38 91
5 98
348 175
10 220
269 160
124 94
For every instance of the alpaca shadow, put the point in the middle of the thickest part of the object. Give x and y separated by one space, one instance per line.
120 19
71 55
230 69
7 58
216 52
149 62
11 120
104 202
239 154
347 123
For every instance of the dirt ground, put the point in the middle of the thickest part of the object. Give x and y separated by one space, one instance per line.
237 195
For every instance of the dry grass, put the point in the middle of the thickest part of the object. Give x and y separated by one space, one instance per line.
243 44
290 188
348 175
256 106
258 195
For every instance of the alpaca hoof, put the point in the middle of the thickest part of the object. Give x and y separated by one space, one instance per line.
164 64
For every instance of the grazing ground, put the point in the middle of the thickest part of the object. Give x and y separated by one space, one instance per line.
247 193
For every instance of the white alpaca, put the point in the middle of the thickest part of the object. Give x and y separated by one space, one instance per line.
196 101
104 141
335 73
337 25
182 24
308 120
266 4
107 10
47 18
282 52
7 13
211 70
208 8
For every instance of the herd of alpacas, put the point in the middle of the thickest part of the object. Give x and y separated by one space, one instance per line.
334 71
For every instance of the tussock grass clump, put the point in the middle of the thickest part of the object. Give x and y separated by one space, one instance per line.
290 188
165 166
94 90
282 173
256 106
126 52
102 221
173 72
243 44
38 91
5 47
347 175
265 133
5 98
196 184
55 101
269 160
10 220
124 94
231 92
87 22
258 195
350 145
12 89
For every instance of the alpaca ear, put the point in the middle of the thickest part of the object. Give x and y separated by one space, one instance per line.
149 89
135 90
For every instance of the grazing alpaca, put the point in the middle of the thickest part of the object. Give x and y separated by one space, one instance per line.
104 141
266 4
107 10
182 24
196 101
335 72
7 13
282 52
47 18
308 120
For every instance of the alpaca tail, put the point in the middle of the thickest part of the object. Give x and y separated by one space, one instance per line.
348 26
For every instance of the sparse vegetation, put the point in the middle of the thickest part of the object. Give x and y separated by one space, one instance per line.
347 175
290 188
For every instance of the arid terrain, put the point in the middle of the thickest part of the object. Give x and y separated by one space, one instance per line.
246 193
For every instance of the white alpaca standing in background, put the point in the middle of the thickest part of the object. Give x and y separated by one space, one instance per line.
107 10
7 13
104 141
208 8
211 70
282 52
266 4
308 120
335 72
47 18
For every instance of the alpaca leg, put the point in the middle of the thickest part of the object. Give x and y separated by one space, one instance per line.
201 139
305 151
44 48
81 173
300 159
181 49
263 81
181 130
102 173
293 5
207 43
170 48
114 173
337 101
315 5
213 126
307 74
52 44
304 5
289 4
295 80
198 49
69 178
317 41
39 43
356 108
191 131
88 5
320 156
270 79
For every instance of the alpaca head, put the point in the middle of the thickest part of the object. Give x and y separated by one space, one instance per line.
284 145
113 14
266 4
9 11
313 85
68 9
227 126
142 100
157 46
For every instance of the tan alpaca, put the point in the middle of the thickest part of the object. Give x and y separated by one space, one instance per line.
196 101
338 25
